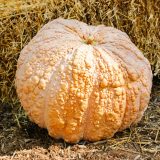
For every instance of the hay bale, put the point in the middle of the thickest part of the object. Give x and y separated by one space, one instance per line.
21 19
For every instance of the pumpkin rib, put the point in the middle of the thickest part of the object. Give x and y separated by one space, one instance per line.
48 113
131 109
125 75
115 87
89 108
147 94
53 73
27 58
74 133
128 65
67 26
50 39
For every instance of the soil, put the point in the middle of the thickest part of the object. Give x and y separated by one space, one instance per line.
21 139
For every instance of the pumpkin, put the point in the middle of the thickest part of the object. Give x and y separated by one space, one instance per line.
82 82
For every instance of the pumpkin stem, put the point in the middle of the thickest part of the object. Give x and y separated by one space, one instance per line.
90 40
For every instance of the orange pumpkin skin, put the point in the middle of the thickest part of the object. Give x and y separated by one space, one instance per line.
82 82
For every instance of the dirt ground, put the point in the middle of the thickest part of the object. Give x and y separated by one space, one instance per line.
22 140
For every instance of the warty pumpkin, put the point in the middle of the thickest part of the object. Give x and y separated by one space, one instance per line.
82 82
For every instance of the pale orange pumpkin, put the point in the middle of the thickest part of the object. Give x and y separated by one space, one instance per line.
83 82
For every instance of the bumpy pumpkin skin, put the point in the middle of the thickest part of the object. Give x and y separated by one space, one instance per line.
82 82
